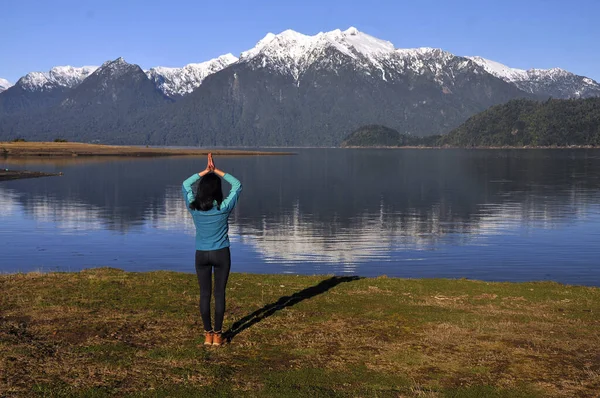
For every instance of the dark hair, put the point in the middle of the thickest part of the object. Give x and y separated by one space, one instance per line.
209 190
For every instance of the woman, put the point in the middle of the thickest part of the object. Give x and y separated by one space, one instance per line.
210 213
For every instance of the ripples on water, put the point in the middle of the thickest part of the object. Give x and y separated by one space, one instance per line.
493 215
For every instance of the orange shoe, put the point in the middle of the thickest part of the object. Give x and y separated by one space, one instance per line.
208 338
217 339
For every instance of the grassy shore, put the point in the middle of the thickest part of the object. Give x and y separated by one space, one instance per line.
105 332
13 149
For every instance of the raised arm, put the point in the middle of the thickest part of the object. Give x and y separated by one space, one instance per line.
236 187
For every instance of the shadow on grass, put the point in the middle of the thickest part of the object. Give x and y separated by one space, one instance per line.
283 302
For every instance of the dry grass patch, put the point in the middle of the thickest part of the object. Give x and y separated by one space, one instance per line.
105 332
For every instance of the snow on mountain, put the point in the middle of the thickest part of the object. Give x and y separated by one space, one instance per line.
294 46
63 76
439 63
555 82
4 84
69 76
292 52
499 70
115 68
181 81
116 81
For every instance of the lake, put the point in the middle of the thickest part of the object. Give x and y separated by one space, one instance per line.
497 215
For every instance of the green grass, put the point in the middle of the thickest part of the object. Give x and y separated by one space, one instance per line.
105 332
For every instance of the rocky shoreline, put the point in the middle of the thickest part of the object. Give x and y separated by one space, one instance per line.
6 174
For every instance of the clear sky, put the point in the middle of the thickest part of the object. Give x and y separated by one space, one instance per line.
36 35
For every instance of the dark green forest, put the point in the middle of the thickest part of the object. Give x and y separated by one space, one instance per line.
531 123
517 123
376 135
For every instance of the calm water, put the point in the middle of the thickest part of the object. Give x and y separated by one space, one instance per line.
494 215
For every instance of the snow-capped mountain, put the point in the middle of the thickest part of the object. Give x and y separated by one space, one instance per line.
59 76
116 68
292 53
555 82
116 82
113 96
290 89
176 82
4 84
294 89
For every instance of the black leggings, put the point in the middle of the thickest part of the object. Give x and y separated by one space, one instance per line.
205 261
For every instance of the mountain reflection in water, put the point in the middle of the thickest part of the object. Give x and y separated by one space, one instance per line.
485 214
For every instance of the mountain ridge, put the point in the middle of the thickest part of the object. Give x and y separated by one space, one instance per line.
180 81
314 101
177 82
290 89
554 82
64 76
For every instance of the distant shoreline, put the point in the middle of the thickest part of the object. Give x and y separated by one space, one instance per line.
6 175
73 149
474 147
76 149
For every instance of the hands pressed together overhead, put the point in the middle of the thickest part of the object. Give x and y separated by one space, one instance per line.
211 165
211 168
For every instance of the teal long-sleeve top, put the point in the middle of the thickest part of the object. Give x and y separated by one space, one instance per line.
212 226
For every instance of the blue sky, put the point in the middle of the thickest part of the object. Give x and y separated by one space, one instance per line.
37 35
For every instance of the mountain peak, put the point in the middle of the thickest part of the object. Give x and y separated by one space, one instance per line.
294 51
351 38
33 81
360 43
115 82
117 68
4 84
175 82
228 58
268 37
62 76
352 31
556 82
115 63
558 72
283 41
292 34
